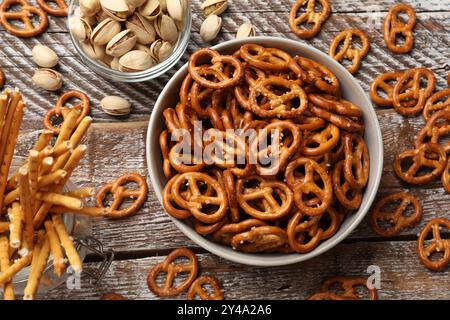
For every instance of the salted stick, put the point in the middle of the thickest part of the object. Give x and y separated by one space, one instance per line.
38 265
19 264
44 139
67 244
51 178
15 226
46 166
33 173
27 209
87 211
61 200
81 193
8 288
59 265
4 227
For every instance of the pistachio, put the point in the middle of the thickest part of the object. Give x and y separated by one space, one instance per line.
121 43
166 28
107 60
150 10
143 29
176 9
210 28
90 7
105 31
44 56
80 28
133 4
134 61
115 64
93 51
48 79
154 49
100 16
216 7
165 51
115 106
163 5
246 30
116 9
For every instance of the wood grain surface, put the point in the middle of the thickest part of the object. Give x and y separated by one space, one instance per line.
117 145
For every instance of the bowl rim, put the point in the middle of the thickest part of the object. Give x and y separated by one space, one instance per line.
261 260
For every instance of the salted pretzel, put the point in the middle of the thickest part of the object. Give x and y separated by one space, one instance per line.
228 231
428 155
2 78
25 14
265 193
396 217
271 59
393 27
201 73
347 196
409 88
320 142
169 204
356 164
382 83
438 101
348 285
355 55
259 239
328 295
120 193
61 9
341 121
436 129
112 296
446 177
435 245
335 105
197 289
309 17
165 145
61 111
172 269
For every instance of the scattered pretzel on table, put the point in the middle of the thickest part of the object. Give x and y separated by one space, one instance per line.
393 27
437 245
25 16
197 289
60 9
384 83
347 285
308 17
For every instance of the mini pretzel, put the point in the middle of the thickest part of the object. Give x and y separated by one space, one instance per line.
348 285
446 177
25 16
2 78
265 195
343 122
335 105
357 164
308 17
172 269
165 145
436 244
396 218
170 205
307 186
60 110
347 196
120 193
436 103
429 155
271 59
381 83
198 201
197 289
435 130
347 52
320 142
409 88
60 11
278 106
393 27
328 295
112 296
228 231
259 239
200 73
230 188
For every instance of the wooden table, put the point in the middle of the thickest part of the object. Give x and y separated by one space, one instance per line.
118 145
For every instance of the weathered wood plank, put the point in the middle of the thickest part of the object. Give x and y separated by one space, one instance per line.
402 275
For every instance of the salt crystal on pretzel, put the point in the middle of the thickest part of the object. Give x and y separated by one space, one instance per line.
56 249
8 289
59 199
27 209
15 226
67 244
16 267
38 267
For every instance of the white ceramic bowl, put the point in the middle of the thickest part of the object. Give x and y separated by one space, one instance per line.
351 91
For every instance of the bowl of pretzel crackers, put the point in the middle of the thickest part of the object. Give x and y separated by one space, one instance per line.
264 151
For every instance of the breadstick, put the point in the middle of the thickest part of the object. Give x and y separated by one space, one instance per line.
11 105
38 266
67 244
11 197
8 289
15 225
62 148
27 209
36 252
33 172
18 265
87 211
81 193
59 265
61 200
51 178
4 226
46 152
46 166
3 110
44 139
67 126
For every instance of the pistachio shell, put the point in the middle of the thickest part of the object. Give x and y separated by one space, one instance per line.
210 28
165 51
134 61
143 29
115 64
246 30
163 4
100 16
166 28
150 10
105 31
142 47
115 106
216 7
89 7
116 9
93 51
175 8
47 79
121 43
154 49
133 4
80 28
44 56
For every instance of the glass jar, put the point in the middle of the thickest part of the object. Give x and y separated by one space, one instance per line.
154 72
